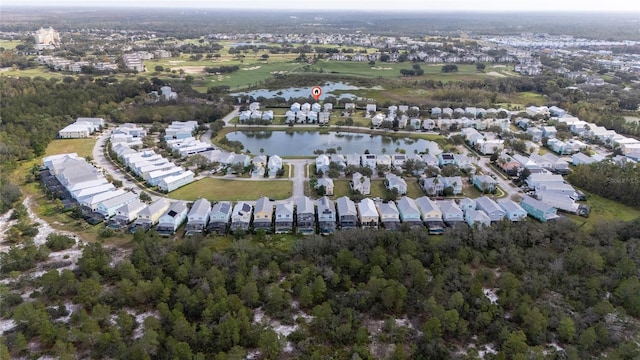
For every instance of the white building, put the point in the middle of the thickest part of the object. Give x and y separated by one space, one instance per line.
173 182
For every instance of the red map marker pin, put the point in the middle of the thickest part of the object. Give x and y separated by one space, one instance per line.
316 91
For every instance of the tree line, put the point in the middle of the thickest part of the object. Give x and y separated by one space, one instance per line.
432 296
609 180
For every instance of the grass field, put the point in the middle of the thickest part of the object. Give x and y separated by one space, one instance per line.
223 189
35 72
84 147
9 44
378 189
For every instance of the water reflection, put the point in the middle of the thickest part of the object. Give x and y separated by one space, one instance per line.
304 143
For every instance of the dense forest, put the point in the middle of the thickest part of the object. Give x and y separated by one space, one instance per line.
609 180
527 290
34 109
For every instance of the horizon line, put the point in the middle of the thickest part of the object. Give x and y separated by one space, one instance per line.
413 11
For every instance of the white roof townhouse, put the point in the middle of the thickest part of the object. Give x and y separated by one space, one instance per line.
129 212
180 129
173 182
150 214
50 160
81 128
109 207
93 201
84 193
368 213
154 177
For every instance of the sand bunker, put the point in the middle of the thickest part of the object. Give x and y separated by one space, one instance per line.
496 74
252 68
380 68
192 69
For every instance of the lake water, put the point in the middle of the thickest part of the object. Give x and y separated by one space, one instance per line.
303 143
287 93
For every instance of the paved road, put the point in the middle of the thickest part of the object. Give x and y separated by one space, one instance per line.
506 185
299 167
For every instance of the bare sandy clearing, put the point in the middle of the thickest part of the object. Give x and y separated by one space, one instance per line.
192 69
496 74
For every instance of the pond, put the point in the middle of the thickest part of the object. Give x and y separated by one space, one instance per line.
287 93
303 143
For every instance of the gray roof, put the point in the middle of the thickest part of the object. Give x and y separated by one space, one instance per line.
407 205
284 210
510 206
426 205
388 209
367 207
175 209
535 203
346 206
200 207
126 197
264 204
221 208
325 206
154 207
304 205
487 204
449 207
136 204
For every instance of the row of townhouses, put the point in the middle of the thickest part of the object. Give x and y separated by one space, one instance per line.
324 215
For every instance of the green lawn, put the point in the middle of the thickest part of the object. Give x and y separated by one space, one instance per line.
413 188
341 188
378 189
223 189
35 72
9 44
84 147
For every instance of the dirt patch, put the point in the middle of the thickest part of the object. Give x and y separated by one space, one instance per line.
496 74
192 69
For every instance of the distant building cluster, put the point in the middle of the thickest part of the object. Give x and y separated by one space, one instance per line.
61 64
81 128
255 114
309 113
78 183
135 60
153 168
46 39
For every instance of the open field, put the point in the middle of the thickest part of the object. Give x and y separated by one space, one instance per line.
84 147
233 190
378 189
9 44
35 72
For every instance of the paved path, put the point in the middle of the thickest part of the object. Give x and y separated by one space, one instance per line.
506 185
100 160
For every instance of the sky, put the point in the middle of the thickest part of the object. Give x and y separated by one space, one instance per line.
626 6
